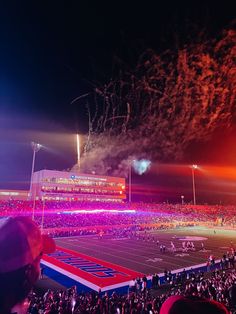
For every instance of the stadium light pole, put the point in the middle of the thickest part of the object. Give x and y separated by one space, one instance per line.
130 181
36 147
194 167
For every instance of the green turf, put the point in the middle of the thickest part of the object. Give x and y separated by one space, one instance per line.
145 256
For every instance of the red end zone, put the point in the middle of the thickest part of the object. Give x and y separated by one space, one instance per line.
88 269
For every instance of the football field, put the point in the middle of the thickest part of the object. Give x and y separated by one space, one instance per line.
142 254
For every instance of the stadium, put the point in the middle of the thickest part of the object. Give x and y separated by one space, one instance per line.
118 157
69 186
105 244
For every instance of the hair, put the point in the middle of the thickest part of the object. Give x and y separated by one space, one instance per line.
204 307
195 305
16 285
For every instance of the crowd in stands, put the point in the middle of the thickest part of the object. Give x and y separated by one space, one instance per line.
147 215
218 286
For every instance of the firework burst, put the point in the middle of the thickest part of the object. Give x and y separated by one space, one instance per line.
164 104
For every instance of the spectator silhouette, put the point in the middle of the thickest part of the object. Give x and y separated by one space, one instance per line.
21 248
192 305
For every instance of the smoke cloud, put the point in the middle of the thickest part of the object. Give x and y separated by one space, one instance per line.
167 102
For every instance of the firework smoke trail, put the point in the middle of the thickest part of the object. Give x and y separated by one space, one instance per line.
168 101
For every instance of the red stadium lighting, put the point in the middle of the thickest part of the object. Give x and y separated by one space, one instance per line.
194 167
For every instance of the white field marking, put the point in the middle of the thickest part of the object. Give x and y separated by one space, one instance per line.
119 257
73 240
154 260
137 244
144 264
82 280
70 275
203 251
74 236
113 248
137 250
192 238
155 250
123 284
170 257
141 245
182 254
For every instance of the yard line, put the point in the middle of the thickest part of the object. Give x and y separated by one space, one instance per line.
105 248
150 250
117 257
170 264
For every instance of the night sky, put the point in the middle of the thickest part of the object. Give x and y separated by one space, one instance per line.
53 51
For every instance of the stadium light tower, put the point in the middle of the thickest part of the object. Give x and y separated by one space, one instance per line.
78 150
130 181
36 147
194 167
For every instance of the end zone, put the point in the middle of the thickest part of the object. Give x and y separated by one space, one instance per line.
91 272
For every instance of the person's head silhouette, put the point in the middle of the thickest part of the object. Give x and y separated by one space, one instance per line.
21 248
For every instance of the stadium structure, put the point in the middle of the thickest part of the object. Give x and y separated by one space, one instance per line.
13 195
72 186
